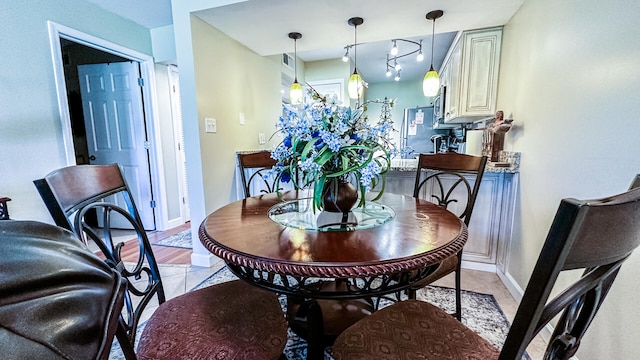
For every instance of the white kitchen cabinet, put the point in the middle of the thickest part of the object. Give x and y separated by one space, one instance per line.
470 75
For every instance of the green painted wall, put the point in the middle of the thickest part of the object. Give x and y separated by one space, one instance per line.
408 94
30 129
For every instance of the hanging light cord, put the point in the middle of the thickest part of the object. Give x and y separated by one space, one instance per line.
355 48
295 60
433 36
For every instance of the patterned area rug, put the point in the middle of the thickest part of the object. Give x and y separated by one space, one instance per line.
180 240
480 312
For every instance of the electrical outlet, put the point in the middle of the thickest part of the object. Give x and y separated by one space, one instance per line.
210 125
242 119
261 139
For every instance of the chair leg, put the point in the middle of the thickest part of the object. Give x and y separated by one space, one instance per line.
411 293
458 313
125 344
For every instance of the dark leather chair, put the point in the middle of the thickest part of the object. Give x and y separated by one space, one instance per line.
635 182
445 178
595 235
230 318
57 299
253 167
4 209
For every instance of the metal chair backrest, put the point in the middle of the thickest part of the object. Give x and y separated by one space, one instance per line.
254 166
86 200
594 235
445 178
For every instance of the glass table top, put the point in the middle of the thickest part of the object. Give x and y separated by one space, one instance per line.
299 214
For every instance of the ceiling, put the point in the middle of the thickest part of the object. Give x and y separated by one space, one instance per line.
263 26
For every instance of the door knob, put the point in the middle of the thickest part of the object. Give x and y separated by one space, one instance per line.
92 157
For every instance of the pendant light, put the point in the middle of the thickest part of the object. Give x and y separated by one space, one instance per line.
295 91
355 81
431 82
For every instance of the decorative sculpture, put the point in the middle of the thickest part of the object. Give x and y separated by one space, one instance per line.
493 136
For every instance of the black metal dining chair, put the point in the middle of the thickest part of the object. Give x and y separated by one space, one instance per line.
233 319
452 181
57 299
596 236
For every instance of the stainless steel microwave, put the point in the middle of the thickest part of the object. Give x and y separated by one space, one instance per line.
439 105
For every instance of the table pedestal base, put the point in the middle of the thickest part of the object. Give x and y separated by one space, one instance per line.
321 321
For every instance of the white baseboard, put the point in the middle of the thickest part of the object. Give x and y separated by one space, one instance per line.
174 223
479 266
517 292
511 285
204 260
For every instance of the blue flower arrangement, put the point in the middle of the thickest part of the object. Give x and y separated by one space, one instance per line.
324 141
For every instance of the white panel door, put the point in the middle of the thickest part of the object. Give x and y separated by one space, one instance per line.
181 160
115 126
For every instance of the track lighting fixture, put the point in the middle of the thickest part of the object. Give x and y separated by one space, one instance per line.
392 57
420 56
345 57
394 49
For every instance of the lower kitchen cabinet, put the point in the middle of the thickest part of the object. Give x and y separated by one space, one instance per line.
492 218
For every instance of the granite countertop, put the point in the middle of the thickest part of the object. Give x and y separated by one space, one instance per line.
510 157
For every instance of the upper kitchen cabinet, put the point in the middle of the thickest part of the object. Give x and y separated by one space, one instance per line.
469 76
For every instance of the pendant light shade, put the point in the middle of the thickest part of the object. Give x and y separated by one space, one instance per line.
295 91
431 82
356 84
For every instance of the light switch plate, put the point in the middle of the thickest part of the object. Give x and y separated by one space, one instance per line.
242 122
210 125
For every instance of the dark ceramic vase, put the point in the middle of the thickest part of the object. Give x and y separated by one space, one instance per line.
339 196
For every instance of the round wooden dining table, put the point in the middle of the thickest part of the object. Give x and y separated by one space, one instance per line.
319 269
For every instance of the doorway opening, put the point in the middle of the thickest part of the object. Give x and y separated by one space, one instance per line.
76 151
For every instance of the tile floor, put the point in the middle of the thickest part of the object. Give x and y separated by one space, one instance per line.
178 279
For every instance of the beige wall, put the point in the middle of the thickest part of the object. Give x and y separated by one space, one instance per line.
231 79
570 76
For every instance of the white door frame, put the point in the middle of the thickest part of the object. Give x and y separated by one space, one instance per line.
57 32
